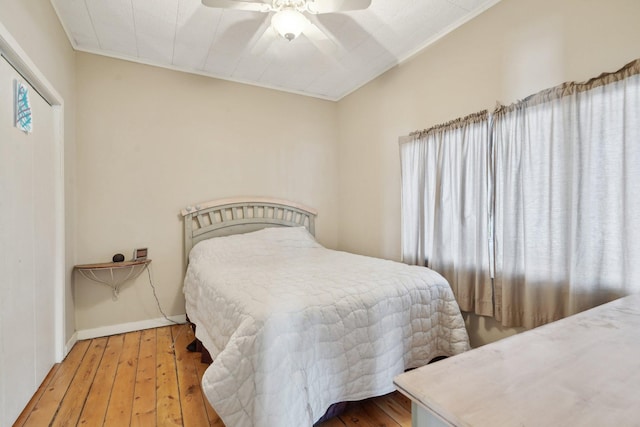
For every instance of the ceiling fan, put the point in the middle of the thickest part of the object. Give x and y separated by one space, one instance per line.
289 19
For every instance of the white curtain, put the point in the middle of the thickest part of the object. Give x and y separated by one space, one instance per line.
567 203
445 207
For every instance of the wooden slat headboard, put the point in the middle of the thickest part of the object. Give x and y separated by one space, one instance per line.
241 215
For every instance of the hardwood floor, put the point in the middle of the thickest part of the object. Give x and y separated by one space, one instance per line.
137 379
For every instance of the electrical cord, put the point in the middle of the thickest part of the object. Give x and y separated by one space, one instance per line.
156 297
173 343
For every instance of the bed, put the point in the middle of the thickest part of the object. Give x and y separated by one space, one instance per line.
293 327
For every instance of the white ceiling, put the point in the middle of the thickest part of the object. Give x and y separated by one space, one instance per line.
187 36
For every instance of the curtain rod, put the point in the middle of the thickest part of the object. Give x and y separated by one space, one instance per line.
564 89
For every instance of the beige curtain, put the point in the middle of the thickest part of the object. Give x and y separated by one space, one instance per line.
445 206
567 208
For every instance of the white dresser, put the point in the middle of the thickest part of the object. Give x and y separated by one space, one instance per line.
580 371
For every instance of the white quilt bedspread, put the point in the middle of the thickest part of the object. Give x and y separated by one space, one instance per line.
294 327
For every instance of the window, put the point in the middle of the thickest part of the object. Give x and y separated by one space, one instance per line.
558 170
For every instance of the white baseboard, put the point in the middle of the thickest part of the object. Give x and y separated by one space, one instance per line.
121 328
72 341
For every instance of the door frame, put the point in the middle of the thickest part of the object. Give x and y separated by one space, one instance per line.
18 58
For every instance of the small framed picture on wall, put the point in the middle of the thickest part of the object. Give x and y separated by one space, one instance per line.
140 254
22 107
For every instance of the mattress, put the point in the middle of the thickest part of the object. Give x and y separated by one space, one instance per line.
294 327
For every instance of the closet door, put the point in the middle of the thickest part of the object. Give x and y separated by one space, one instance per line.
27 254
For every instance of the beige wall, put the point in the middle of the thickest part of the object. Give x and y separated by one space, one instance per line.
153 141
36 28
515 48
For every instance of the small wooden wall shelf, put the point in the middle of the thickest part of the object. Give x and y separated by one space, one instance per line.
113 274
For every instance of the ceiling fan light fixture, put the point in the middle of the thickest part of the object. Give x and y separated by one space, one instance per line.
289 23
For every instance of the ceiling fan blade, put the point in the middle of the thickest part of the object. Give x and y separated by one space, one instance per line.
263 38
329 6
320 39
238 5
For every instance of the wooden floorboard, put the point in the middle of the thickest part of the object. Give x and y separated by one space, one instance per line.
142 379
47 406
191 396
76 395
396 407
367 414
168 408
143 413
121 401
214 419
95 407
36 397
